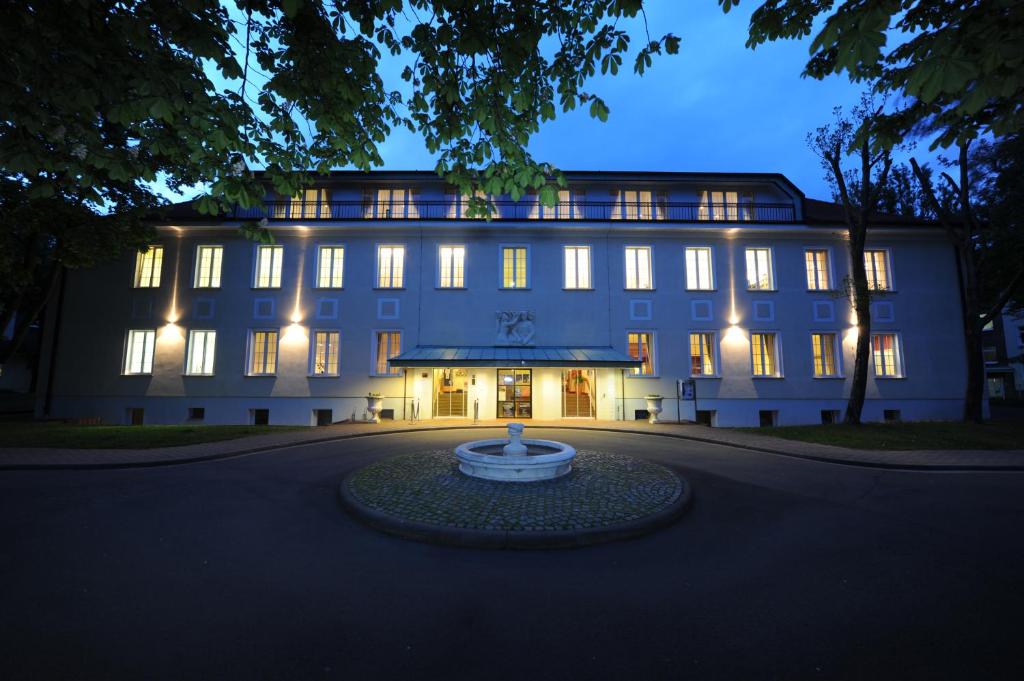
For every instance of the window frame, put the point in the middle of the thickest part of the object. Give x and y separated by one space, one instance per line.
888 269
901 367
653 348
779 369
773 283
156 271
197 260
837 353
715 360
711 268
151 335
312 353
259 249
706 205
188 352
376 276
319 256
438 280
625 268
374 356
501 267
829 269
590 267
250 348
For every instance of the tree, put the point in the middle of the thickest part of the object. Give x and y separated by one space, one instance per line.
833 143
102 98
958 65
984 228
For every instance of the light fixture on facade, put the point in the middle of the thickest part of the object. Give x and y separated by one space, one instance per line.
734 334
171 331
294 333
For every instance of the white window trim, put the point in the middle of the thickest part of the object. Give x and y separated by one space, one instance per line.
376 266
316 271
625 275
465 266
590 264
831 268
837 349
373 352
771 264
501 267
250 339
188 353
156 272
124 353
654 353
888 265
714 270
900 358
780 369
312 353
256 265
716 360
195 266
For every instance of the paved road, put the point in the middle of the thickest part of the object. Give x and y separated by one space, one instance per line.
247 568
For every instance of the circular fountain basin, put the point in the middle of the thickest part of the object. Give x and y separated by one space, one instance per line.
544 460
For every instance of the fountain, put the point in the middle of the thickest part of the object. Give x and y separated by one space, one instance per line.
515 459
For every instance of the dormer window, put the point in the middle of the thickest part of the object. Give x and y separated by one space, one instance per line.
567 206
309 204
638 204
458 204
392 203
725 205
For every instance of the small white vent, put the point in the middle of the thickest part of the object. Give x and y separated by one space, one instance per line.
263 308
387 308
764 311
640 309
882 312
824 311
326 308
701 310
142 308
203 308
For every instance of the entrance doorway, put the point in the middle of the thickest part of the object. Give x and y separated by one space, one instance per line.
578 393
451 390
515 393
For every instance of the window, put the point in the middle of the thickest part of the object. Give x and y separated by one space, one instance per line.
817 270
562 210
515 269
389 344
877 265
138 352
390 266
330 268
823 348
263 352
886 351
201 346
451 267
395 203
638 267
268 267
764 354
458 204
759 269
640 347
702 353
698 269
208 260
147 267
725 205
325 353
308 204
632 204
577 267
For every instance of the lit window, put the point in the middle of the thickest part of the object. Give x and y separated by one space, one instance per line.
330 266
823 347
201 346
138 351
395 203
577 267
631 204
638 267
208 260
764 354
877 265
308 204
759 269
725 205
390 266
817 270
389 344
698 269
451 266
515 270
702 353
562 210
325 353
268 266
886 352
263 352
640 344
458 205
147 267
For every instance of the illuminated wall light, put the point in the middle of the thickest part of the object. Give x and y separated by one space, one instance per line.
171 331
853 317
734 334
294 333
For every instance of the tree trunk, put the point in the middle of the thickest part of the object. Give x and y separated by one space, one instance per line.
974 393
25 322
862 306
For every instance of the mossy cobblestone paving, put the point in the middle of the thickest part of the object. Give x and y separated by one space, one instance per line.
603 489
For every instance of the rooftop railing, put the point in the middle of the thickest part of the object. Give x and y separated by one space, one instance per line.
523 210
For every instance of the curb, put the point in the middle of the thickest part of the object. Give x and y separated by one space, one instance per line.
964 468
494 539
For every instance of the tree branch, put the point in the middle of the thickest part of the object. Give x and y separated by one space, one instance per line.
1004 297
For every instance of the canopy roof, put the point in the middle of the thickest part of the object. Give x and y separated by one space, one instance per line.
502 356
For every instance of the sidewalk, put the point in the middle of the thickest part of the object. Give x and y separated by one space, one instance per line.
42 458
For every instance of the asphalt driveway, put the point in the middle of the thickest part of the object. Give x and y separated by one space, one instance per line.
247 568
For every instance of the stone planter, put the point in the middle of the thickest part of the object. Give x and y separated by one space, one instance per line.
374 403
653 408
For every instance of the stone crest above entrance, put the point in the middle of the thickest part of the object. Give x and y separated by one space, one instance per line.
515 327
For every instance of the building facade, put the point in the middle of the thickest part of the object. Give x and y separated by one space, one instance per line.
1003 348
727 288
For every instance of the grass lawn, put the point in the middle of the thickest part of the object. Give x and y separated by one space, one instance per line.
917 435
55 434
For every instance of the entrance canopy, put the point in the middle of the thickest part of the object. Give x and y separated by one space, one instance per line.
502 356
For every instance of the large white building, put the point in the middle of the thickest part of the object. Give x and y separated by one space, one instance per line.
378 282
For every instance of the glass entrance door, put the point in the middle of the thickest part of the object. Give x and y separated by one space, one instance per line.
578 393
451 388
515 393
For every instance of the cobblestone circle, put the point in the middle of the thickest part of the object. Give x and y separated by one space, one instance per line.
603 490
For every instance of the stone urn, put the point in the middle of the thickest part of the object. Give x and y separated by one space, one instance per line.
374 403
515 446
653 408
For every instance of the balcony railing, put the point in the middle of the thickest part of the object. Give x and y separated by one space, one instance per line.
523 210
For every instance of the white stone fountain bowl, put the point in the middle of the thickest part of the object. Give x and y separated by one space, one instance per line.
529 468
